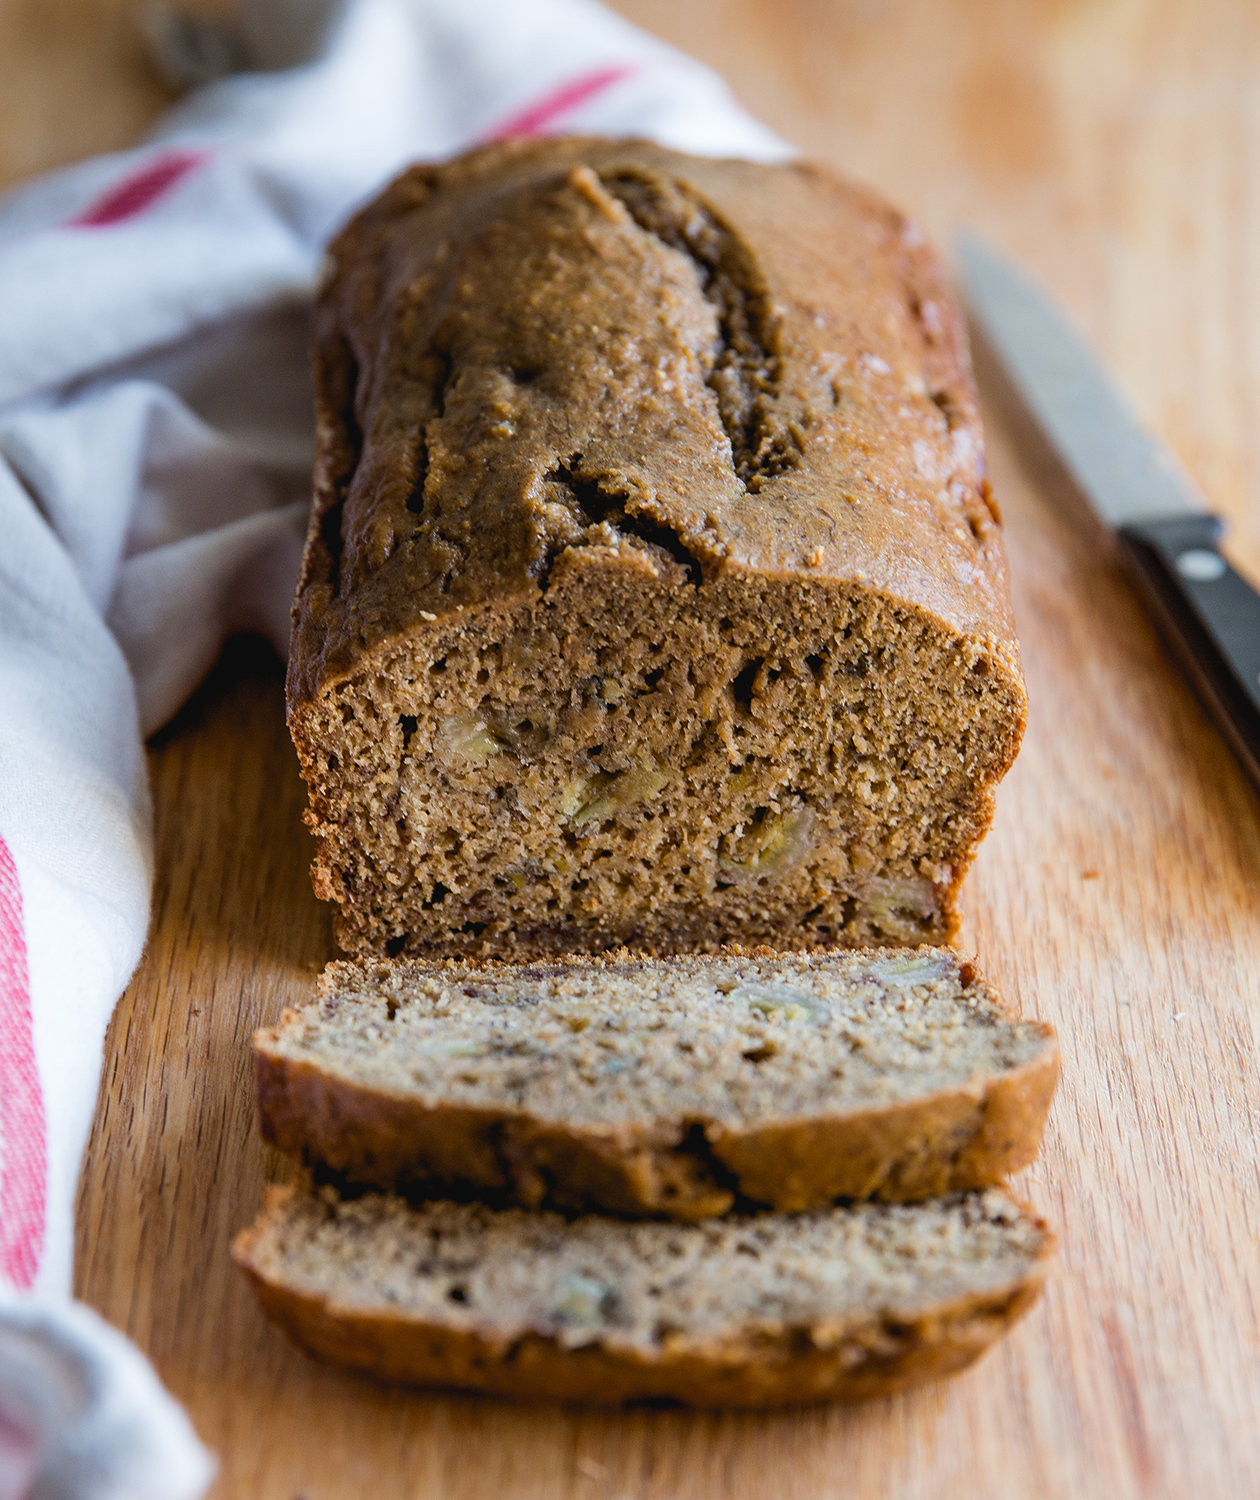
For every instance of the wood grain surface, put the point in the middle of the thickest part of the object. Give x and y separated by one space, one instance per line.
1114 146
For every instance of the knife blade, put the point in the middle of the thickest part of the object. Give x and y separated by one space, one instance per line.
1169 539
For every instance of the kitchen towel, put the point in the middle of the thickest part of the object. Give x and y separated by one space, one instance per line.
155 446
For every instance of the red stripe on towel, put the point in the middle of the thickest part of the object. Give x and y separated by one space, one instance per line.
23 1160
141 190
536 117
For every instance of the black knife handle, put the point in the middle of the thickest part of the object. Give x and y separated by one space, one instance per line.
1210 615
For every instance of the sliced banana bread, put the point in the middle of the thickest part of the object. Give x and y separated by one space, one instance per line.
654 593
767 1310
662 1086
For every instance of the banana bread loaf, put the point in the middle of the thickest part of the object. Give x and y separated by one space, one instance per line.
751 1311
653 593
661 1086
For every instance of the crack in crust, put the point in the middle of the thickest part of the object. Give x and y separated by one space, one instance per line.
596 502
341 446
437 376
746 374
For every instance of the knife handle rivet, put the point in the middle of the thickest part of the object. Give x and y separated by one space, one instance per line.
1201 565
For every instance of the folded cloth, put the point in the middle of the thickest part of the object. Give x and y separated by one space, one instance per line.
83 1415
155 445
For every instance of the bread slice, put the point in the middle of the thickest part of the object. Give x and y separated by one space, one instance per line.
767 1310
653 594
661 1086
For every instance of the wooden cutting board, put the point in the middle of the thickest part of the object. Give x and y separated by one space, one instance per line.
1114 146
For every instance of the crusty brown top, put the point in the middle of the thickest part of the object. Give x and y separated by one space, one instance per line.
757 367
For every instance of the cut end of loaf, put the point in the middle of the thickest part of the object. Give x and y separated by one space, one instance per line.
628 759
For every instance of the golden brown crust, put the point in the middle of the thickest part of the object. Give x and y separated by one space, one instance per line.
962 1138
888 489
793 1367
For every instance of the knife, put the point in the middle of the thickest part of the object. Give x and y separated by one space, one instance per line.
1169 539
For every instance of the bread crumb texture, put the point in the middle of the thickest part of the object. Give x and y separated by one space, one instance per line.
745 1310
674 1086
739 1039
